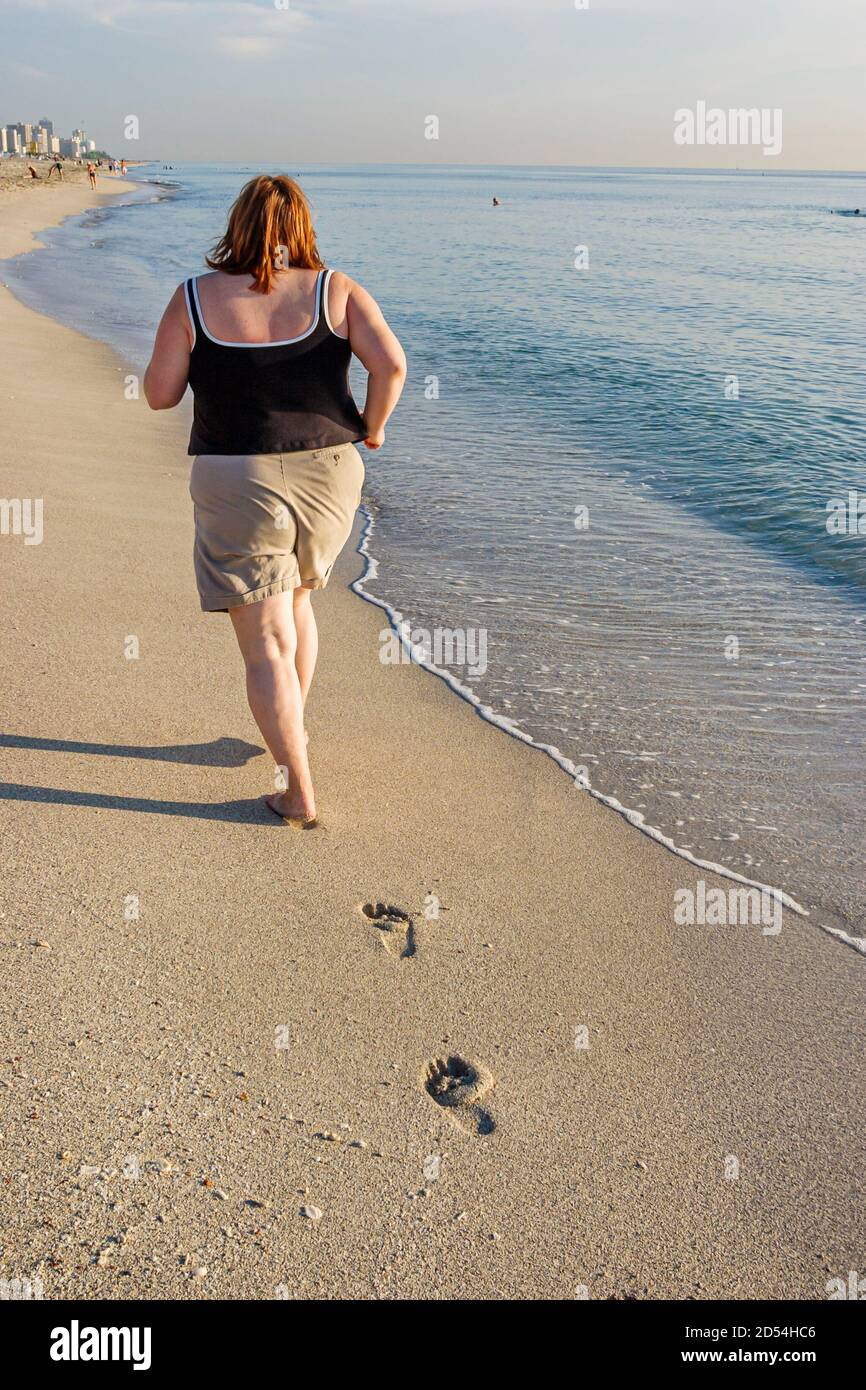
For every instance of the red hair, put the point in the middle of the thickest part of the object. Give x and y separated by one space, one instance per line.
269 229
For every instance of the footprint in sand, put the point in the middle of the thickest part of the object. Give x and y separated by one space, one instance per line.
396 926
458 1085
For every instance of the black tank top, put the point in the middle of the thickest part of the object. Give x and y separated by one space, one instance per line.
271 398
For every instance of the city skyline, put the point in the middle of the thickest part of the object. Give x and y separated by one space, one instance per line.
35 138
552 82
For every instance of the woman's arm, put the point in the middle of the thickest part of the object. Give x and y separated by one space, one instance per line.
166 377
378 349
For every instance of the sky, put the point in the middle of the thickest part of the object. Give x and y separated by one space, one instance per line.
292 82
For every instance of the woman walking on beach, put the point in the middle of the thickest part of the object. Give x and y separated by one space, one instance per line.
265 343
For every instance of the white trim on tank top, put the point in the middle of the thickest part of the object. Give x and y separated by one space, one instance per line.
337 335
282 342
190 314
326 284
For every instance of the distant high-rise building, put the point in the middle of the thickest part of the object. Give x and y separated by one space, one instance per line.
25 137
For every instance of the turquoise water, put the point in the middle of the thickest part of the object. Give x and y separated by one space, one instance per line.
699 646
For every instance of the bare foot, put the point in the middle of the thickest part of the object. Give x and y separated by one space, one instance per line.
293 810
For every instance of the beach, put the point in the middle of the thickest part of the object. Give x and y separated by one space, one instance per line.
28 204
216 1073
563 534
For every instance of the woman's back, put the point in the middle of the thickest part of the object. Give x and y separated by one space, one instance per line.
235 312
265 340
269 372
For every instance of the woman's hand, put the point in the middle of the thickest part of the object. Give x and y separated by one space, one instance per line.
378 350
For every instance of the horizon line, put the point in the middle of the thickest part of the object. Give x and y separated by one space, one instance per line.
439 164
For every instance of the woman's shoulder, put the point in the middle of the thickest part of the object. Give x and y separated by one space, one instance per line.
208 275
186 288
340 283
340 288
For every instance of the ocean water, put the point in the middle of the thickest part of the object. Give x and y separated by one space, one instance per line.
614 476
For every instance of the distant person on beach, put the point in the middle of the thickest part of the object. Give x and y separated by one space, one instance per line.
123 167
91 174
496 203
56 168
265 342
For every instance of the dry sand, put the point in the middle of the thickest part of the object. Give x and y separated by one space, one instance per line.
27 204
202 1032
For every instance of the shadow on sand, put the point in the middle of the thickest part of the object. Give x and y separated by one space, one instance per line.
251 811
220 752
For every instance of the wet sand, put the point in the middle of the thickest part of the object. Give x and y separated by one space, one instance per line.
216 1065
27 204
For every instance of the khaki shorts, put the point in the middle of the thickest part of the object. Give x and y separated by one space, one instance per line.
265 523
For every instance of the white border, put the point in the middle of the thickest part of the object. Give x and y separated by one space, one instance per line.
189 311
281 342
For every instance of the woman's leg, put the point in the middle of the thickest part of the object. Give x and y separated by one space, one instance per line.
307 635
268 642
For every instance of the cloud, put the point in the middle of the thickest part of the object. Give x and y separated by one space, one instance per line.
110 12
243 45
239 28
251 31
248 45
33 74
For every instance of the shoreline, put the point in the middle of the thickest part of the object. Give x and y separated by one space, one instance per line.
789 887
512 729
604 1166
26 210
